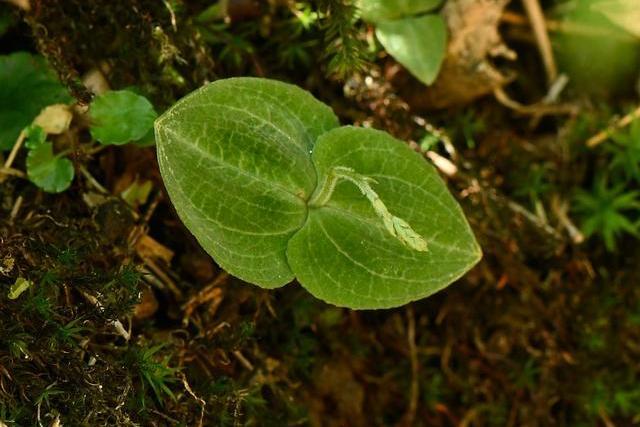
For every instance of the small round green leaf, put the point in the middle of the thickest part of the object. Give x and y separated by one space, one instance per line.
235 159
27 85
148 140
120 117
35 136
344 254
417 43
50 172
386 10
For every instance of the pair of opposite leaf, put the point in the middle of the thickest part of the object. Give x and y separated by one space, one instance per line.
274 189
414 37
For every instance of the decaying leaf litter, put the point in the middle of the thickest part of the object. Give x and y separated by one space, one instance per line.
542 332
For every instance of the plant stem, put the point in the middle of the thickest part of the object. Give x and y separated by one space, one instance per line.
13 154
320 198
64 153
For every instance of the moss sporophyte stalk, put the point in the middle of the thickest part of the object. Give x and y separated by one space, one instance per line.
275 189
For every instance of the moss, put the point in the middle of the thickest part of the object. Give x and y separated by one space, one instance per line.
134 43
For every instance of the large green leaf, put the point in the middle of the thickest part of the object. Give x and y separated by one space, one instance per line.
26 86
345 256
234 156
417 43
385 10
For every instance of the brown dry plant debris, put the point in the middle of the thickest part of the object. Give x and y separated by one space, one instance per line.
467 72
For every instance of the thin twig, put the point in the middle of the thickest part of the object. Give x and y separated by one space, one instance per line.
445 165
605 417
536 18
11 171
16 208
438 133
243 360
173 421
98 148
164 277
92 180
152 207
535 109
14 150
117 324
172 14
12 155
532 218
556 89
410 415
200 400
151 279
210 293
120 329
603 135
560 208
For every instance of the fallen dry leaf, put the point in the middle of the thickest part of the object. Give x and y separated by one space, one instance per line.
54 119
147 247
467 72
95 81
137 193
